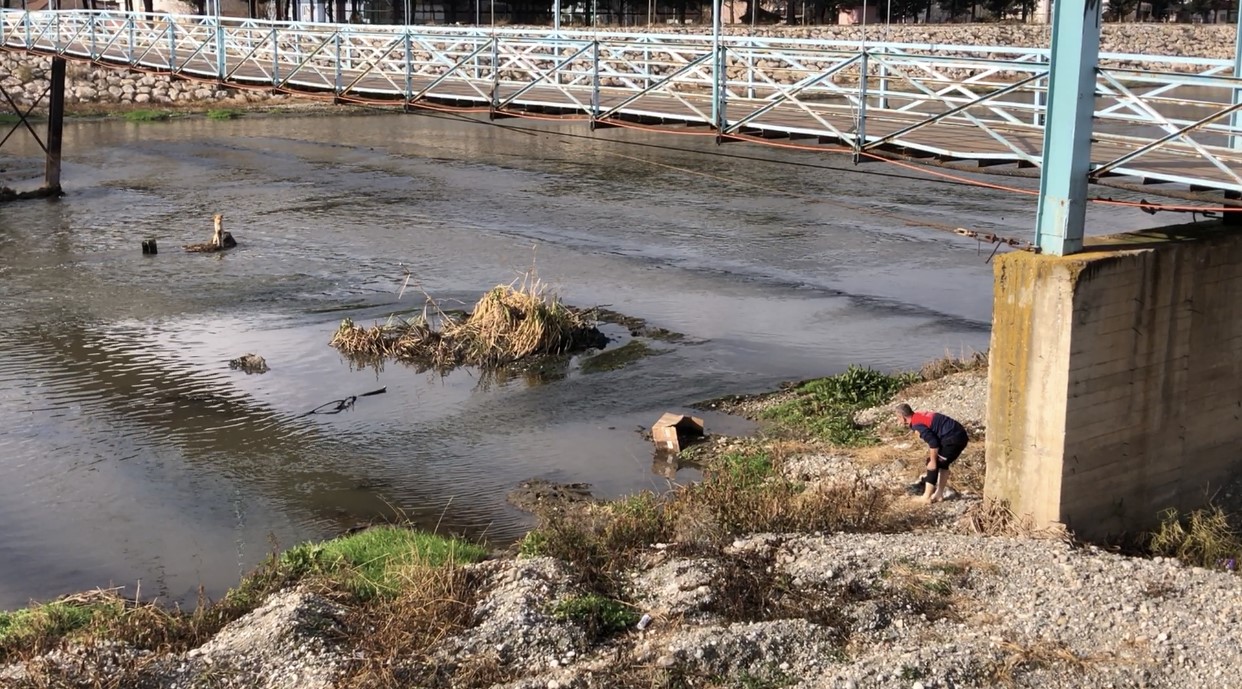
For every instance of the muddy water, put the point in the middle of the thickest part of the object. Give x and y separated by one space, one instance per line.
131 452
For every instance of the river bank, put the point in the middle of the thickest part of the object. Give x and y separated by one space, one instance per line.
798 561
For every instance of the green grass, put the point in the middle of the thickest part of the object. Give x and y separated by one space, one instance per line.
147 115
370 563
223 114
824 408
9 118
53 619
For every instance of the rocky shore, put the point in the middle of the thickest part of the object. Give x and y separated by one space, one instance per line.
798 562
25 76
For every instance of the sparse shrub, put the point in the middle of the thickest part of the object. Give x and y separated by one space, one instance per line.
147 115
601 617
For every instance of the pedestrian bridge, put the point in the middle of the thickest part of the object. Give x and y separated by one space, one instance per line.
1158 119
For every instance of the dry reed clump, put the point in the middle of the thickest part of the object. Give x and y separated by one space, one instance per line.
950 364
510 323
1021 658
995 518
396 635
1203 538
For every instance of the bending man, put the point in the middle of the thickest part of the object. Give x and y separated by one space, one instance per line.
945 438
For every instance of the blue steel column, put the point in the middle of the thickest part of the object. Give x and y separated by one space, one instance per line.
1067 127
1236 143
717 7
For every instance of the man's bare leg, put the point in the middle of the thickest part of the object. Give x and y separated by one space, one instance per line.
942 486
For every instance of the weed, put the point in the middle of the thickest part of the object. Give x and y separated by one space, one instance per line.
927 589
825 407
9 118
620 357
1203 538
223 114
395 633
1043 653
601 617
147 115
910 672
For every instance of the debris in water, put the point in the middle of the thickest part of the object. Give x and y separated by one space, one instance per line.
508 324
250 363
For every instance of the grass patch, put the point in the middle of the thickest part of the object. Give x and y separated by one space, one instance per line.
223 114
9 118
56 619
372 563
620 357
600 616
383 566
1202 538
147 115
824 408
510 323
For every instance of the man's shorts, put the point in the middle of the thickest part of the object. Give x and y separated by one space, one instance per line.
950 451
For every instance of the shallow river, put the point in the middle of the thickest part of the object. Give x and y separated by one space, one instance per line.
131 452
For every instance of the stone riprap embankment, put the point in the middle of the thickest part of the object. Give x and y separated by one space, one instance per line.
25 79
26 76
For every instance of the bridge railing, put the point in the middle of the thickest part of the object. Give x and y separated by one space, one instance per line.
977 102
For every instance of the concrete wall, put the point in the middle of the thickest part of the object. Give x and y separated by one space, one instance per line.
1115 384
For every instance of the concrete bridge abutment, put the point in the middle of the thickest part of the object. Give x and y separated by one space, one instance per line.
1115 381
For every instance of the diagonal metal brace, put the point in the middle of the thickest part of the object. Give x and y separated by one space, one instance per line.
953 111
1102 169
23 118
789 95
545 74
686 68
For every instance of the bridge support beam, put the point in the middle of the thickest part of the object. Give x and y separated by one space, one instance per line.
1067 130
55 125
1236 117
1115 378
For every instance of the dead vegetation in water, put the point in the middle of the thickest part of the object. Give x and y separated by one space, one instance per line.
509 324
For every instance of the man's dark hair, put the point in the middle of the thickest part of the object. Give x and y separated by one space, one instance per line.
905 410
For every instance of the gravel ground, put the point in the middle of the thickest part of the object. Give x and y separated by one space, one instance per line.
963 396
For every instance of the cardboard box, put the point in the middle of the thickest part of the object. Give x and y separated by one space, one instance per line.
672 432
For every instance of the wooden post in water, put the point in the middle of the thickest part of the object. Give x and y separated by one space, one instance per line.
55 125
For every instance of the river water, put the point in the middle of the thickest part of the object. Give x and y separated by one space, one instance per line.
132 454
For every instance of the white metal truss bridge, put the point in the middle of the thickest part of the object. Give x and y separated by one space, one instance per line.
1165 120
